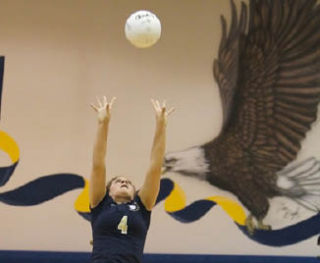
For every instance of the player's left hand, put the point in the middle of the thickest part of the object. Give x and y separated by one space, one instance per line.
161 110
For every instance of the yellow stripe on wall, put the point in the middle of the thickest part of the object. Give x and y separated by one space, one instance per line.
8 145
82 202
176 200
232 208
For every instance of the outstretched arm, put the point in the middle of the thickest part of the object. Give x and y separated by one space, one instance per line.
150 188
97 188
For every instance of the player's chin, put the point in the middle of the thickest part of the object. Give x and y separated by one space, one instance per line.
126 191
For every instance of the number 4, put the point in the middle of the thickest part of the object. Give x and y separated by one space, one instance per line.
123 226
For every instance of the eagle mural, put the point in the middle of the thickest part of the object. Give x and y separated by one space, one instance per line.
268 73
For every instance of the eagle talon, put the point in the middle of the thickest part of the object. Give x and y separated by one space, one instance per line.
250 225
263 226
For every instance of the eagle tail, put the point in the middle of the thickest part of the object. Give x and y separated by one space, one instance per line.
301 183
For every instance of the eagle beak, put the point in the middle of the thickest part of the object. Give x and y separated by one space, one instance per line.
164 170
166 166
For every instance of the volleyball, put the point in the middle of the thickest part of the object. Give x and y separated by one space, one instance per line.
143 29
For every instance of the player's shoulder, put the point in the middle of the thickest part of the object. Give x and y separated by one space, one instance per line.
139 202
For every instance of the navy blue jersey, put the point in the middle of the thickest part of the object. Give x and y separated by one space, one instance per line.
119 231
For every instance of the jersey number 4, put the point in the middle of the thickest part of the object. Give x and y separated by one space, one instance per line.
123 225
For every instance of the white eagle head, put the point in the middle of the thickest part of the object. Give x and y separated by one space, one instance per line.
191 161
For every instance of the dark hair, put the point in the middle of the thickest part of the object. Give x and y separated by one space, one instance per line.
111 181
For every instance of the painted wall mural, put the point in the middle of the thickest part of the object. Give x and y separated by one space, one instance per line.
268 74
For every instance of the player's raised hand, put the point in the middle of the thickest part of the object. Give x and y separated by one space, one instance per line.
161 110
103 108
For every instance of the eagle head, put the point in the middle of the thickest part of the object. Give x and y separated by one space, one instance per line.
191 162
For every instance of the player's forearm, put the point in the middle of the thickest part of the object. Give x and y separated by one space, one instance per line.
149 191
158 147
100 145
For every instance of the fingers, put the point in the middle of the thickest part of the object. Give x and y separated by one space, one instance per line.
99 102
170 111
156 105
94 107
103 103
161 108
109 105
164 104
112 101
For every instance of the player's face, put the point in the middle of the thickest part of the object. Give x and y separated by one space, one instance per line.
122 187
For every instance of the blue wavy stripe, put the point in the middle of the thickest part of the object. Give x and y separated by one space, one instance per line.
193 212
42 189
6 172
287 235
281 237
1 78
166 186
276 238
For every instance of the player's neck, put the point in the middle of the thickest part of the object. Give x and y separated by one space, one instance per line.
121 199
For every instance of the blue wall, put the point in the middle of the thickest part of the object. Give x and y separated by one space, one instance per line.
78 257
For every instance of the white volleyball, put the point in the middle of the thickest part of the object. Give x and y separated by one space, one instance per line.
143 29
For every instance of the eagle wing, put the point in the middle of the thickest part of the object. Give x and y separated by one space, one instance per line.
269 78
226 67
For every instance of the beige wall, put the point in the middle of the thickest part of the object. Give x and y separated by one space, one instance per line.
60 54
